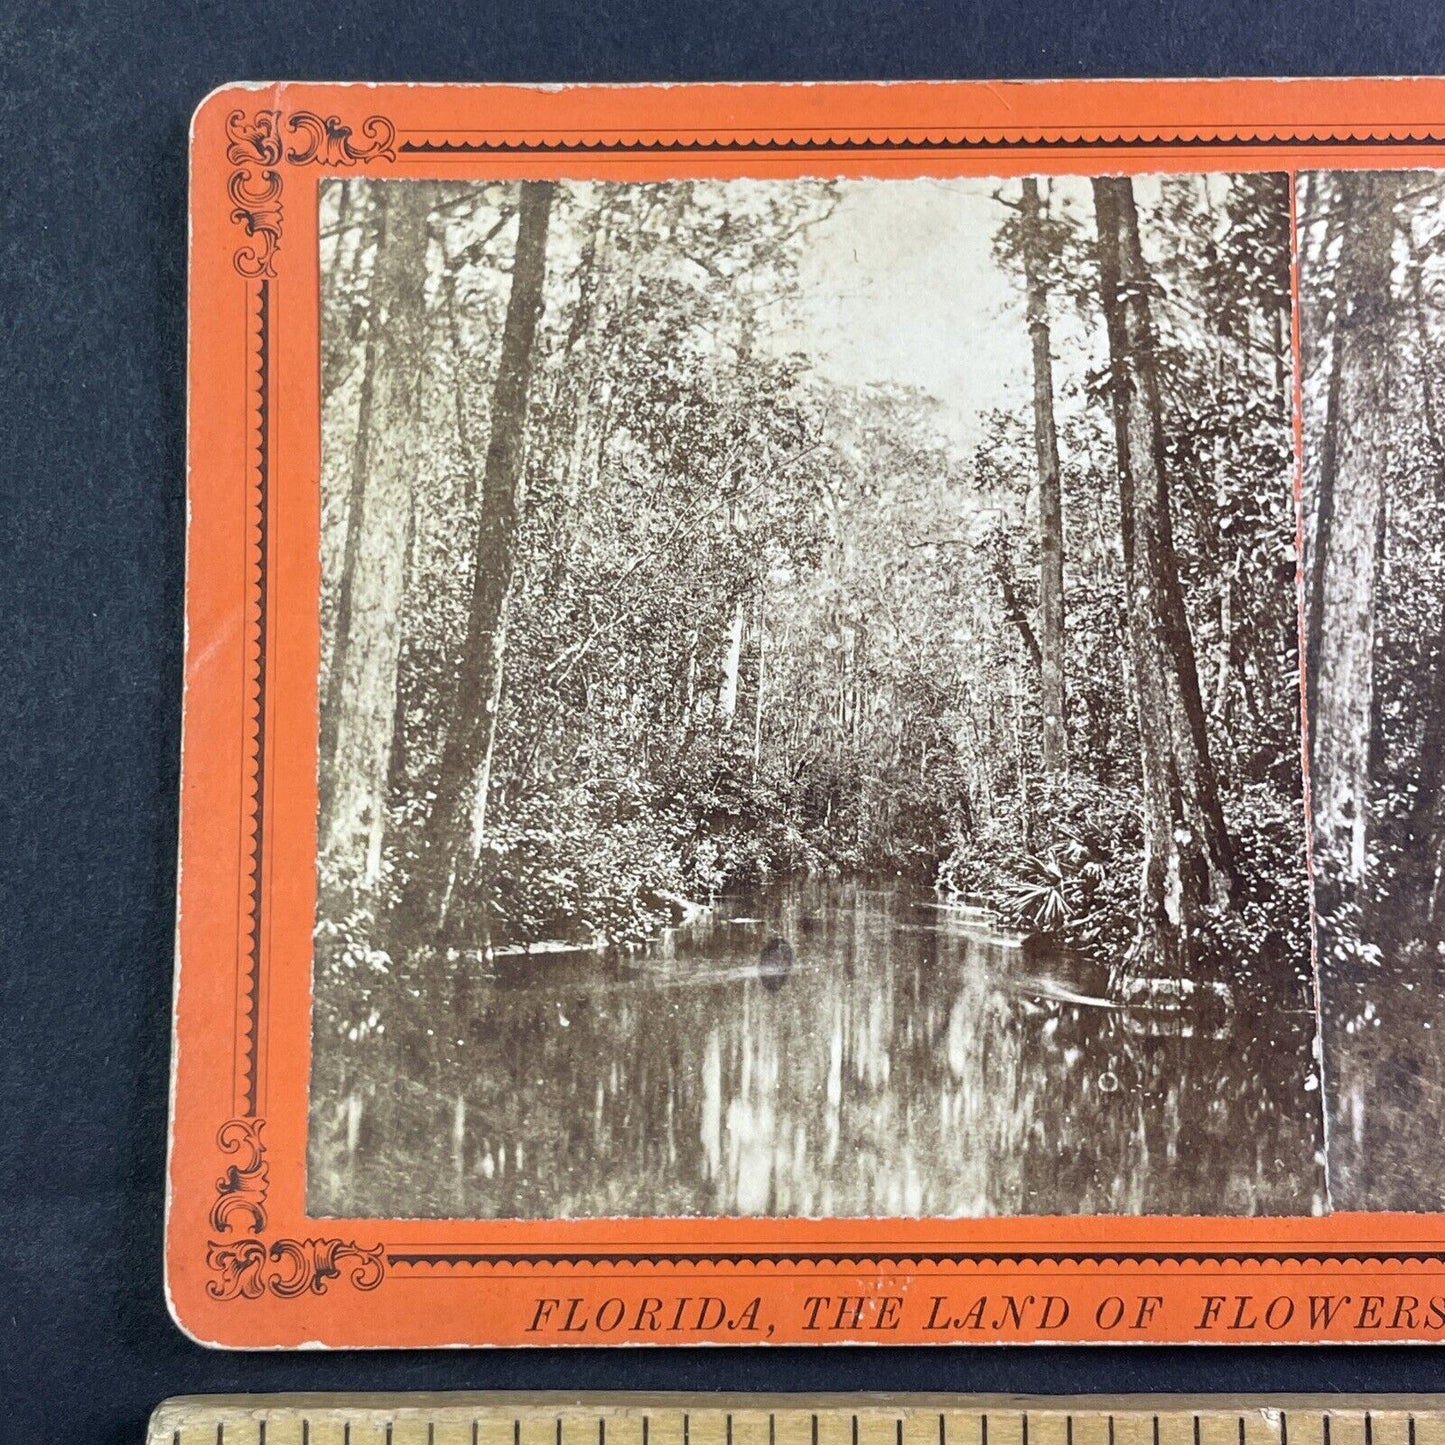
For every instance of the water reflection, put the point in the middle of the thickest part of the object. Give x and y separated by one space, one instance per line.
814 1050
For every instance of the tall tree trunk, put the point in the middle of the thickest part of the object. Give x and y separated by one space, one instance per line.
1279 320
727 697
1219 709
857 662
1188 861
581 383
1324 502
343 310
359 702
458 822
399 761
1051 505
1427 810
689 683
1355 458
762 683
336 337
1013 607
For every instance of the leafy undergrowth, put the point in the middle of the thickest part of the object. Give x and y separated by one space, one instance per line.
1075 879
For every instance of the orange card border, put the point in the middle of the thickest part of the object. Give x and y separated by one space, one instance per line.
245 1266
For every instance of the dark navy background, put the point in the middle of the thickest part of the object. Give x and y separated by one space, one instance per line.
94 104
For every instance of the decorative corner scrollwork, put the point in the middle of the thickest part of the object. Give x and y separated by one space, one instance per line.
327 141
307 1264
248 1269
254 146
241 1190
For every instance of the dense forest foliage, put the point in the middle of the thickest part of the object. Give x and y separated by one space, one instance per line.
632 591
1372 268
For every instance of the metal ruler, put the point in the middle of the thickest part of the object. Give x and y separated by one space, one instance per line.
622 1419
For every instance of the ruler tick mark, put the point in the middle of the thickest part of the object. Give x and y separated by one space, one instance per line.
1176 1424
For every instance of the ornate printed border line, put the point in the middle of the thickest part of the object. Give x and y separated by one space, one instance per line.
248 1061
469 1260
1005 141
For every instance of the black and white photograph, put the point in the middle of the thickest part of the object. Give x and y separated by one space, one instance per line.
1372 293
809 698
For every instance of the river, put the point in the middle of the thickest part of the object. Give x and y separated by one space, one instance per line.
816 1049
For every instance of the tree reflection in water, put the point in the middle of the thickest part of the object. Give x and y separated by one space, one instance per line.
813 1049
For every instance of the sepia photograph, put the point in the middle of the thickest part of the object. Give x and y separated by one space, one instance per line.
1372 293
809 697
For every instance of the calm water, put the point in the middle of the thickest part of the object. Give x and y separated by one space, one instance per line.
897 1063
